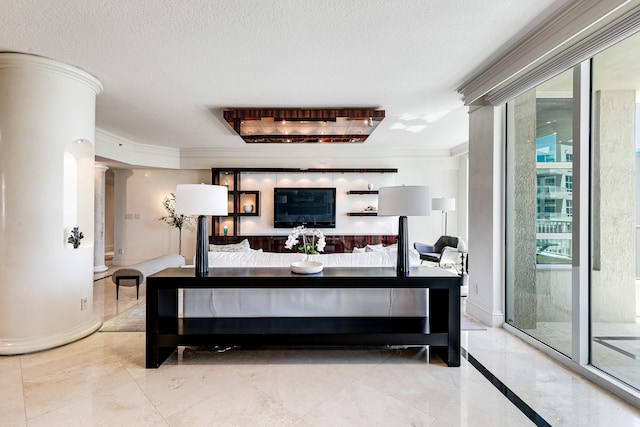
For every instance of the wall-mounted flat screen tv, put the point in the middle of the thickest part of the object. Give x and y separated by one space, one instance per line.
313 207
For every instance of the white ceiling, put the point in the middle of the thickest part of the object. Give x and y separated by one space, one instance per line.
170 66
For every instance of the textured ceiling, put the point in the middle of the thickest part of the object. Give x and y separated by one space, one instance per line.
169 67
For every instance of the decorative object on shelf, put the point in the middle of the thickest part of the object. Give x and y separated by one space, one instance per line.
370 208
370 186
312 241
201 200
445 205
306 267
226 182
225 229
174 220
75 237
248 208
403 201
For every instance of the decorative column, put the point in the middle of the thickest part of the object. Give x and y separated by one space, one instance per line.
47 156
525 280
486 239
99 194
614 208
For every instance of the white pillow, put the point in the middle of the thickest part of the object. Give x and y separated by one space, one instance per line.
357 250
374 248
234 247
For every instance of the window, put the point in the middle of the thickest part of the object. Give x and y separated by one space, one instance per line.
615 215
539 275
538 297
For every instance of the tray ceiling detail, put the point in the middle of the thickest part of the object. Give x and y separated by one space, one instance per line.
303 125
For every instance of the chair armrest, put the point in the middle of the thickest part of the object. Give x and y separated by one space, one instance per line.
449 256
423 248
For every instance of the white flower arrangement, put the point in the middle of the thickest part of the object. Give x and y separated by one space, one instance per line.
312 241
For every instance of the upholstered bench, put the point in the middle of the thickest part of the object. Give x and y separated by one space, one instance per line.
137 273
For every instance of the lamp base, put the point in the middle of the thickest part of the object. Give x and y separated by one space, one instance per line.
402 264
445 223
202 255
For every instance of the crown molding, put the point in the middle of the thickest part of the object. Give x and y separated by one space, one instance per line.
114 147
277 156
26 61
580 51
574 20
460 150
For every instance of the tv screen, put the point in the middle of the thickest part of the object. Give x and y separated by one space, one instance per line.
313 207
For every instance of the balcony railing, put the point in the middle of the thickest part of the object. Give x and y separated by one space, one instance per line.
553 192
553 226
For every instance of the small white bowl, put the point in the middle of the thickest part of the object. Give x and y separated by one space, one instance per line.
306 267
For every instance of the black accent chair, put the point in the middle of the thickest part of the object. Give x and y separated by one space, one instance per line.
434 252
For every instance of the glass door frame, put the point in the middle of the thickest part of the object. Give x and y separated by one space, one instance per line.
580 358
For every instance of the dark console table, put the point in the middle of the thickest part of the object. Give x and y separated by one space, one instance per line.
166 331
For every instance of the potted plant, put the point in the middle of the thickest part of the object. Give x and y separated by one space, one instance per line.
176 221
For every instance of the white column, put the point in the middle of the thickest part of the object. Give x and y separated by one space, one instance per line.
486 236
47 129
99 193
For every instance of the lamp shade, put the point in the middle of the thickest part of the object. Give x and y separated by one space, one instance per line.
443 204
405 200
201 199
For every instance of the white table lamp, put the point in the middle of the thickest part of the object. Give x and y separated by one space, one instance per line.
403 201
445 205
201 200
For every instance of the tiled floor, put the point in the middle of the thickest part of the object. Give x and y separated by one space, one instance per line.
101 380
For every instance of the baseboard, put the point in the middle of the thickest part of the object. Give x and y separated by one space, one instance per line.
33 344
495 319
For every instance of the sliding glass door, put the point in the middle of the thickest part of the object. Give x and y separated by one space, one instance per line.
540 212
547 272
615 217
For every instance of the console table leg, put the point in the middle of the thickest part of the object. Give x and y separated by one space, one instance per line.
444 315
162 306
153 357
453 356
151 335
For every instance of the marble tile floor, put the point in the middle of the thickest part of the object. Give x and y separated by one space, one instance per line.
615 347
101 380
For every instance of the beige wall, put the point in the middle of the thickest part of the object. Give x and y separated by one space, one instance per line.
138 195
